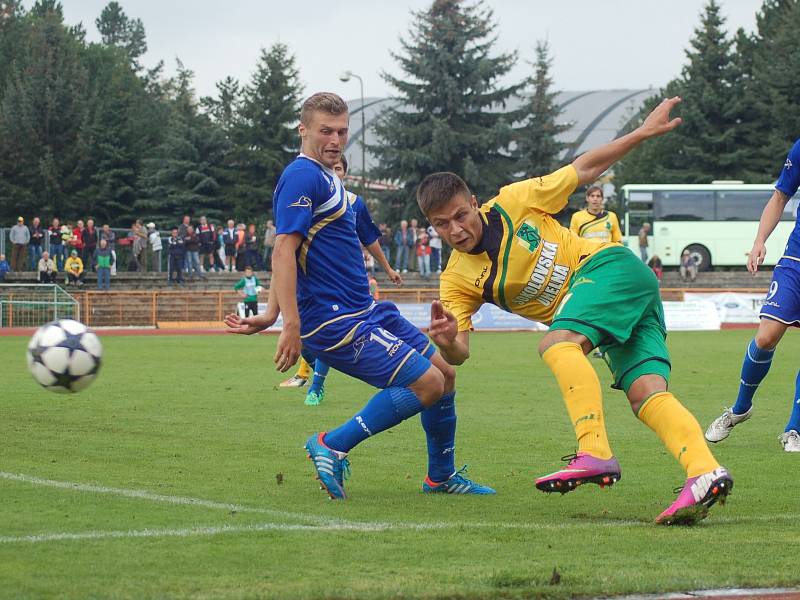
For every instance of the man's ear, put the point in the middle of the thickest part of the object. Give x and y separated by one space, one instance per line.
473 201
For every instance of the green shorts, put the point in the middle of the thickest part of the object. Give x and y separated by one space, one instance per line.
614 301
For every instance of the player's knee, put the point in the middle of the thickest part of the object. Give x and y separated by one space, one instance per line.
644 387
429 387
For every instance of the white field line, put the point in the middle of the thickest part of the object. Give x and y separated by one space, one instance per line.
145 495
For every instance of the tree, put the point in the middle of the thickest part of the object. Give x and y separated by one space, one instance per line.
537 149
117 29
263 132
449 115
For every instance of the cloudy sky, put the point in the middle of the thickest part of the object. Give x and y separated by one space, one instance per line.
596 44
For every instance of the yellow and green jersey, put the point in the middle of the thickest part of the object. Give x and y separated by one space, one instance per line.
525 258
603 227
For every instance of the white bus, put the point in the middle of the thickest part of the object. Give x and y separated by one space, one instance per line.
716 222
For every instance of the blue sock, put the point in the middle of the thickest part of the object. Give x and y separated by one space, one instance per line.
794 419
439 423
385 409
754 368
320 373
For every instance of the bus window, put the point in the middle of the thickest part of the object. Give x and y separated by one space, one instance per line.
684 205
745 205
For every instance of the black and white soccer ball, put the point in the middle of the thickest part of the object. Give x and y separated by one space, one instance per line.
64 356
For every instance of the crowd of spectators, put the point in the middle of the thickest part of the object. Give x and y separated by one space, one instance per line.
66 252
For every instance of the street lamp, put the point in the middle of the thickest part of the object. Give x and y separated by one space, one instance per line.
345 77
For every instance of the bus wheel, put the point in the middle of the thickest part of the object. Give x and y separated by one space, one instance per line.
701 255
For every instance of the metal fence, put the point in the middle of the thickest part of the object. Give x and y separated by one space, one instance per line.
33 305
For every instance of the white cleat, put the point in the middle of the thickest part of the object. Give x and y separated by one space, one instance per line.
295 381
721 427
790 441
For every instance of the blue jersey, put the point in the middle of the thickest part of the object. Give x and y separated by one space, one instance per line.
331 279
788 182
367 231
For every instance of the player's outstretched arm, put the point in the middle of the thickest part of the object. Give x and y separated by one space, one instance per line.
284 280
769 220
453 344
251 325
377 252
595 162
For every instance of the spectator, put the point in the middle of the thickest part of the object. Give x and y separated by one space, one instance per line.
413 227
103 260
205 232
176 256
57 250
35 244
229 239
688 266
423 252
89 237
248 287
185 222
154 238
74 269
219 250
240 247
76 241
191 245
402 242
435 244
656 266
369 260
66 239
386 239
46 268
251 256
4 267
137 232
643 233
111 238
20 236
269 244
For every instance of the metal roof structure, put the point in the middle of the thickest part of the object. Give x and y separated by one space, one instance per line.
596 117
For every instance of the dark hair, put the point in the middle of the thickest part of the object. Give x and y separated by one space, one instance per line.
326 102
594 188
438 189
343 160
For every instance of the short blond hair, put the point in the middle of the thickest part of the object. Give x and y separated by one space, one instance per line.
326 102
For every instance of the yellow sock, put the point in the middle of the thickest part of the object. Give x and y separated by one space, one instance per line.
680 432
303 369
580 389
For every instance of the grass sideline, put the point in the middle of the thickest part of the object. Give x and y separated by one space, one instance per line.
172 420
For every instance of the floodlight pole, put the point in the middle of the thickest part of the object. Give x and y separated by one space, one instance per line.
345 77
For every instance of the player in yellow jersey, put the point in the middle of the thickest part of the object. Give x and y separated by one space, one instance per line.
593 222
511 252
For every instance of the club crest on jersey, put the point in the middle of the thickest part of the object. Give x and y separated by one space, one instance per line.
528 236
788 164
302 202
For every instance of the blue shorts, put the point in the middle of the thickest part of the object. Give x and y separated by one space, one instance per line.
783 299
379 347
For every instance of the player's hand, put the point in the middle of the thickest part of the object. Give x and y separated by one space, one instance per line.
444 326
658 121
756 257
244 325
394 277
288 351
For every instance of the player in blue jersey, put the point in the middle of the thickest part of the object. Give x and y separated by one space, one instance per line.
369 235
321 289
780 310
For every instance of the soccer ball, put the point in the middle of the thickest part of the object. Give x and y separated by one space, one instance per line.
64 356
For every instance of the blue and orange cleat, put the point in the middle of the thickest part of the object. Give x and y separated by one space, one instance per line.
456 484
332 466
696 497
581 468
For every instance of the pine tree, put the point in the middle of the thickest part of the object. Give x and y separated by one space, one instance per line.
537 148
449 115
263 132
117 29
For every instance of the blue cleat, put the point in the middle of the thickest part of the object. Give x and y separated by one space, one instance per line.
332 467
456 484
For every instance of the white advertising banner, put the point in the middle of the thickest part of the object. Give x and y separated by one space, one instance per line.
691 315
733 307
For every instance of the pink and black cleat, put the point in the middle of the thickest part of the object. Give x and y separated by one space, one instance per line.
697 496
581 468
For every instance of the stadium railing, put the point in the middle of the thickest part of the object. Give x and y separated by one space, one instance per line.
33 305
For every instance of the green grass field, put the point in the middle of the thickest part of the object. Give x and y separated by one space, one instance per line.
180 474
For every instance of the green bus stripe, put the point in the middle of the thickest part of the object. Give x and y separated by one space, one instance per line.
501 292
